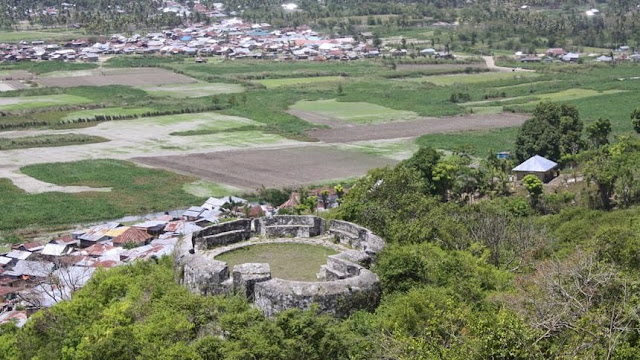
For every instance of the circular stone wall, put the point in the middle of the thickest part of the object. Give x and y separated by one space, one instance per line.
343 285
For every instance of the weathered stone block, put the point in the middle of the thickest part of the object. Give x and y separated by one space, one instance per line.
245 276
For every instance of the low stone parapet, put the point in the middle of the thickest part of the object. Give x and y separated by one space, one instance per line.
291 226
339 297
222 234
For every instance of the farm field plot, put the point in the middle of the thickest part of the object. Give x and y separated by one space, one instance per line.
30 102
273 83
192 90
58 34
4 86
353 112
143 137
15 75
480 142
415 128
448 80
529 102
134 190
403 67
298 262
291 166
396 149
47 141
104 77
204 188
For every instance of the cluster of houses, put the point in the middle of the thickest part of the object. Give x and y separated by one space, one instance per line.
36 275
560 54
229 37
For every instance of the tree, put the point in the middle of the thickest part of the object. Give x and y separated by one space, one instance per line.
324 197
598 132
377 42
424 160
553 131
635 120
534 186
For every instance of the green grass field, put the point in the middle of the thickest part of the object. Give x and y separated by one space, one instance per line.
54 35
135 190
448 80
480 141
193 90
354 112
43 67
204 188
272 83
32 102
287 261
48 141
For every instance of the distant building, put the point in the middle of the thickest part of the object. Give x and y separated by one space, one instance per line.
536 165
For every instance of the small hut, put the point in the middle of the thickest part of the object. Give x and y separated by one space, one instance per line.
536 165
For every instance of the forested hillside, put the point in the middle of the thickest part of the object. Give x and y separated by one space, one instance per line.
502 24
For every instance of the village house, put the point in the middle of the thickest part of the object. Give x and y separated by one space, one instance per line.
536 165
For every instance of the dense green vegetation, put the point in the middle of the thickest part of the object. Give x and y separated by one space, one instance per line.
48 141
134 190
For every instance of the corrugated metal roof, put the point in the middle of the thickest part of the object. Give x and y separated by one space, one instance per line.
536 164
113 233
55 249
132 235
19 254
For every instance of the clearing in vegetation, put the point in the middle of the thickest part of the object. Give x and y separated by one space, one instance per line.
135 190
105 77
30 102
300 262
273 83
354 112
251 169
52 140
193 90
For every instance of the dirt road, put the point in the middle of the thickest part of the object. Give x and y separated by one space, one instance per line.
491 64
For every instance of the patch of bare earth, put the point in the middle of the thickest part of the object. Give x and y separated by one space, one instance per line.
128 77
252 169
317 118
16 75
415 128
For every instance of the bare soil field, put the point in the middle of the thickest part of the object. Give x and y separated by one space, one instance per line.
440 66
129 77
16 75
280 167
415 128
317 118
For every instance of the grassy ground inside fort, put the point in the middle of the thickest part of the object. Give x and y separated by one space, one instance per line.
287 261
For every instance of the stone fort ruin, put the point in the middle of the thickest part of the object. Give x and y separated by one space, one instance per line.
344 283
